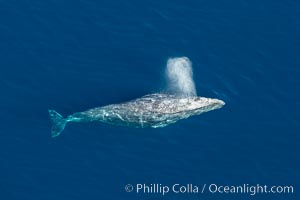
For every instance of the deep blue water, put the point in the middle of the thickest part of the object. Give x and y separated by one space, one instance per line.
74 55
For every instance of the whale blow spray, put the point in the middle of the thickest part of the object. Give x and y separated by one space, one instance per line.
179 74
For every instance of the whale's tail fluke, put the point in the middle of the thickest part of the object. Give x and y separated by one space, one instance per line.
58 123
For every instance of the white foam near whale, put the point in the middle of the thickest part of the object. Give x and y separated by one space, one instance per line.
154 110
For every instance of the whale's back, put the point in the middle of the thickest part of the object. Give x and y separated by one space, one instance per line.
157 110
170 104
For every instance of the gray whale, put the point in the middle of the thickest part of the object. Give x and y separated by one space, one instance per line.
154 110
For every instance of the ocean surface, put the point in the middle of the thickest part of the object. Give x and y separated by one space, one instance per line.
74 55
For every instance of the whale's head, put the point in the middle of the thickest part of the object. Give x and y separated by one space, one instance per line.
209 101
166 103
205 104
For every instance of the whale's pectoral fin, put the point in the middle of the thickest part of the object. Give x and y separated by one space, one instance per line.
58 123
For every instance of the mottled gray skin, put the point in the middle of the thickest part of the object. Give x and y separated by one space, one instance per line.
154 110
